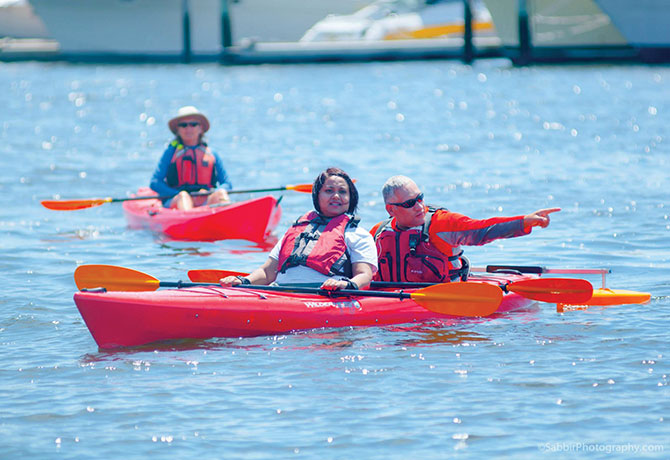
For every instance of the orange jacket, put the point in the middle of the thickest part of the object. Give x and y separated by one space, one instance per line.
442 233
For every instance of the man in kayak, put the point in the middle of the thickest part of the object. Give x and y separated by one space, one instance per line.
325 247
189 165
422 244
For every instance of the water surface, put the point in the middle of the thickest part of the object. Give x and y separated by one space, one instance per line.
484 140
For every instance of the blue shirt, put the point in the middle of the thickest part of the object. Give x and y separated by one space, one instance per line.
159 179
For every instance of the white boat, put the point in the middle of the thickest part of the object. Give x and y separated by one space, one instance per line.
401 20
154 29
556 23
19 21
130 27
282 20
643 23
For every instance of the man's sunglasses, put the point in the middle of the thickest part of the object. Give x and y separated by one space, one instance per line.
192 124
409 203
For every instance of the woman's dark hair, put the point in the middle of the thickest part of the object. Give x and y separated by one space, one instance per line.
321 178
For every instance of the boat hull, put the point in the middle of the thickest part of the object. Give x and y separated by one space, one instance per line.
555 24
119 30
247 220
644 24
117 319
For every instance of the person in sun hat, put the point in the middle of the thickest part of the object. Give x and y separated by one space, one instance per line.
326 246
189 165
419 243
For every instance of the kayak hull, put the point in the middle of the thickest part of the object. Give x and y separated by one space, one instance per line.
121 319
250 220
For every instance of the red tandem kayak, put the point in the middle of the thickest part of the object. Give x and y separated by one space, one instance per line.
117 318
245 220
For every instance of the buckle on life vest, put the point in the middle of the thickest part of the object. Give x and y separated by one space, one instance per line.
413 243
462 272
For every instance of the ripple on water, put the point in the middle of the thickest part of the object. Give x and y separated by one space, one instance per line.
484 140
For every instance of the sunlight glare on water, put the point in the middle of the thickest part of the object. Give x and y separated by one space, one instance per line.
484 140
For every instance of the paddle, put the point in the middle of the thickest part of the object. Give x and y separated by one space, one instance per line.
211 276
541 270
551 290
601 296
455 299
73 205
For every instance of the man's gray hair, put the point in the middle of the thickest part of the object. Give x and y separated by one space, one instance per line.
394 183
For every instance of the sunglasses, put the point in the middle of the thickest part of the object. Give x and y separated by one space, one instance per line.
409 203
192 124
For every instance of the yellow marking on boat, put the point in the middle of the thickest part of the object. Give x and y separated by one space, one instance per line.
439 31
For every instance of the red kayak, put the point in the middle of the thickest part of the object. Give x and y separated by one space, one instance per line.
245 220
117 318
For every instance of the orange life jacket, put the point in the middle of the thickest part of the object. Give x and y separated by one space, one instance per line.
318 242
409 256
191 168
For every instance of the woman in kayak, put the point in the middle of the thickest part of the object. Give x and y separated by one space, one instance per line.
325 246
189 165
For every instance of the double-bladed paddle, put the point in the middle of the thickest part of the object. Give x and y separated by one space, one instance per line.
455 299
551 290
73 205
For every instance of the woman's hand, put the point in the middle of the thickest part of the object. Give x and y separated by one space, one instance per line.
266 274
230 281
334 285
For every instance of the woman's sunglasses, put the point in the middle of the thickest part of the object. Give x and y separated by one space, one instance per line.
409 203
192 124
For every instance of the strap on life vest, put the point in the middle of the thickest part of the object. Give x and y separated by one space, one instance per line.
412 251
318 242
191 168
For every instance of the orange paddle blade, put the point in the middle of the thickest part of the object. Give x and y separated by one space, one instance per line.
113 278
604 296
304 188
73 205
211 276
554 290
460 299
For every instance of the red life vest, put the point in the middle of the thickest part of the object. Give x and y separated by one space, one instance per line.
318 242
408 256
191 168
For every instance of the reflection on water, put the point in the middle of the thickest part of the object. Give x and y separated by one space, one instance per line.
312 340
167 346
483 140
90 233
173 250
238 247
428 336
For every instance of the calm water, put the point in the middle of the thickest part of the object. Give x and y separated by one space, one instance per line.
483 140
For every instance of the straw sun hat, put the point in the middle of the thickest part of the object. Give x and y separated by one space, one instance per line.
188 112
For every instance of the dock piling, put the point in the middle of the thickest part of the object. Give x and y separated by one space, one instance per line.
186 30
525 42
468 49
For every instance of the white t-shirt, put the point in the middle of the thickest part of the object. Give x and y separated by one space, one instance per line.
361 247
